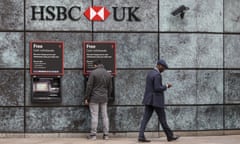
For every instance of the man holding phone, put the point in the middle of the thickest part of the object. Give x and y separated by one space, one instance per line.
154 101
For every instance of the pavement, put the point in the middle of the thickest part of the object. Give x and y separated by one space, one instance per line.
228 139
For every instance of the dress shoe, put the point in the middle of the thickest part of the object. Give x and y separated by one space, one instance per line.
92 137
143 140
173 138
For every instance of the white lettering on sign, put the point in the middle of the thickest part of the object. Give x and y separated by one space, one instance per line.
91 46
37 46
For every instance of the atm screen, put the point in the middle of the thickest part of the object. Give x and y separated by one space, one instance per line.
42 86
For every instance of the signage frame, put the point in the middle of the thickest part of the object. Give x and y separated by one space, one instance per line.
31 58
98 42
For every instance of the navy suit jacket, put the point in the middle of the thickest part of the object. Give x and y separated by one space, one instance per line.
154 91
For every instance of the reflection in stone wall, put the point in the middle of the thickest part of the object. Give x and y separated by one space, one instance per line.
11 50
12 88
12 15
232 86
12 119
202 51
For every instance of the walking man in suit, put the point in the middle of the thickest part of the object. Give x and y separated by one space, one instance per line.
154 101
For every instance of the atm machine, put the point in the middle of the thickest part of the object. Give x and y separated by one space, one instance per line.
100 50
46 69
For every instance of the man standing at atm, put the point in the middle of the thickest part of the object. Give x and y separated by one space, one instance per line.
99 88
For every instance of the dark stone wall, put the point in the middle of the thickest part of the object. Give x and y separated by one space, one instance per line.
202 51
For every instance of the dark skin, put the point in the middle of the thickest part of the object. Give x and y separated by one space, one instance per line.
162 69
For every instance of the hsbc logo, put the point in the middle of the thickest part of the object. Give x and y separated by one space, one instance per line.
93 13
96 13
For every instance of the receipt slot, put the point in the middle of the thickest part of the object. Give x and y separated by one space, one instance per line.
46 69
105 51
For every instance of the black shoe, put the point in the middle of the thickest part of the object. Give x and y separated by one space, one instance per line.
143 140
173 138
105 137
92 137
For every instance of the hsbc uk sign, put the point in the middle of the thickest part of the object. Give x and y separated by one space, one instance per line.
74 13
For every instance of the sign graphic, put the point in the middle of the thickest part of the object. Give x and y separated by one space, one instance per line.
46 58
92 13
102 50
97 13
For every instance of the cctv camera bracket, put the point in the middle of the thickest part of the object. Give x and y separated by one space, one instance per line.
180 11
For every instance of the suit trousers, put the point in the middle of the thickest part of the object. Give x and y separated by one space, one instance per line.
162 119
94 109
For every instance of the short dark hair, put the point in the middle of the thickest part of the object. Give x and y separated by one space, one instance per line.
97 62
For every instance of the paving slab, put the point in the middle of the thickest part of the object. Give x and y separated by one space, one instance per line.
231 139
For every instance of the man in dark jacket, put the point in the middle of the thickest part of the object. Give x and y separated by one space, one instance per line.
154 101
99 88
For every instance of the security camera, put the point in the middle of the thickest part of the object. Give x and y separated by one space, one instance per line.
180 10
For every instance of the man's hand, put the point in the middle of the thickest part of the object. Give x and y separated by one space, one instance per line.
86 102
169 85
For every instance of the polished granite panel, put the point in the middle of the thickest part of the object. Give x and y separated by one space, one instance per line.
82 24
51 119
192 50
210 117
189 87
204 97
184 89
209 49
11 119
194 87
231 16
129 118
129 87
182 117
133 50
11 15
179 50
232 117
210 87
11 50
78 119
203 16
28 87
232 51
72 45
11 87
72 89
147 13
232 86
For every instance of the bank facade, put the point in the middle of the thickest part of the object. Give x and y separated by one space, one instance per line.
201 49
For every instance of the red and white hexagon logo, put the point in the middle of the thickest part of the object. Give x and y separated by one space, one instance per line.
96 13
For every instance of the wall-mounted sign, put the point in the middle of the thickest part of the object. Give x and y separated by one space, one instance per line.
46 58
99 50
45 12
